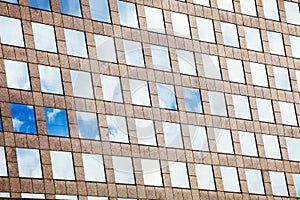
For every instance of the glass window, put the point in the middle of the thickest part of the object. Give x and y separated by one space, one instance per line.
154 19
82 84
12 34
139 92
198 138
151 172
160 58
123 170
56 122
217 103
259 74
278 183
4 194
100 10
254 181
23 118
180 23
105 48
17 75
287 111
97 198
293 147
111 88
223 141
75 41
186 62
166 96
282 78
0 123
3 167
265 110
270 9
70 7
44 37
205 177
296 179
88 125
172 134
295 45
40 4
248 7
127 14
253 40
248 143
271 145
211 66
133 53
275 43
29 163
62 165
225 5
179 175
235 70
117 129
50 78
10 1
192 100
145 132
32 196
230 179
206 30
229 34
202 2
241 106
297 72
93 167
292 12
66 197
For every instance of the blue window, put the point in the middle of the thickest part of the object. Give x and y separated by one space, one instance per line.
40 4
127 14
100 10
88 125
56 122
0 123
11 1
70 7
166 96
23 118
192 100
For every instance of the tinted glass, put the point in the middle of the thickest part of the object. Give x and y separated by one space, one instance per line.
40 4
145 132
93 167
88 125
12 34
117 129
206 30
29 163
123 170
154 19
62 165
23 118
230 34
151 172
198 138
50 78
166 96
192 100
186 62
180 23
133 53
56 122
230 179
205 177
179 175
127 14
105 48
100 10
70 7
111 88
139 92
82 84
75 41
44 37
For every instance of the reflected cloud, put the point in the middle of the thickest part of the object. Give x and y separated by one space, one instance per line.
62 165
29 163
117 129
186 62
172 135
123 170
75 41
229 34
192 100
105 48
154 19
139 92
166 96
145 132
50 79
93 167
127 14
133 53
23 118
12 34
160 58
44 37
82 84
100 10
88 125
179 175
56 122
111 88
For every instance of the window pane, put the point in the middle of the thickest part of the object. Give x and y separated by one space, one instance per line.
202 2
50 78
0 123
179 175
12 34
259 74
223 141
97 198
271 145
296 178
180 23
127 14
230 179
235 70
17 75
297 72
82 84
23 118
248 7
123 170
10 1
117 129
105 48
287 111
145 132
70 7
75 41
211 66
166 96
62 165
3 167
217 103
292 12
186 62
248 143
275 43
160 58
151 172
88 125
93 167
295 45
44 37
265 110
68 197
172 135
40 4
139 92
205 177
192 100
225 5
154 19
229 33
198 138
133 53
100 10
241 107
56 122
254 181
206 30
29 163
270 9
282 79
5 194
111 88
293 147
278 183
253 39
32 196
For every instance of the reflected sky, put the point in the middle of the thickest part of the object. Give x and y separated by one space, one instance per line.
186 62
100 10
223 141
225 5
154 19
198 138
206 30
111 88
292 12
229 34
248 7
160 58
254 181
32 196
265 110
23 118
278 183
275 43
145 132
82 84
40 4
271 146
287 111
50 78
282 78
105 48
293 145
11 1
235 70
205 177
3 167
259 74
172 135
29 163
253 39
133 53
202 2
248 143
127 14
295 45
166 96
296 178
211 66
179 175
75 41
97 198
139 92
44 37
117 129
88 125
192 100
70 7
93 167
4 194
56 122
241 106
66 197
123 170
180 23
12 33
217 103
230 179
270 9
0 123
62 165
151 172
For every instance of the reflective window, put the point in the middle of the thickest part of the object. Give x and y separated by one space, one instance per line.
282 78
179 175
117 129
230 179
17 75
278 183
66 197
186 62
287 111
270 9
297 72
248 7
10 1
248 143
253 40
217 103
111 88
154 19
259 74
88 125
50 78
198 138
127 14
225 5
82 84
206 30
160 58
223 141
12 34
105 48
229 34
254 181
145 132
241 106
192 100
23 118
293 147
265 110
180 23
70 7
75 41
235 70
139 92
3 167
4 194
29 163
123 170
295 45
292 12
275 43
40 4
211 66
166 96
44 37
100 10
32 196
172 135
202 2
97 198
271 145
0 123
62 165
151 172
205 177
133 53
93 167
296 179
56 122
